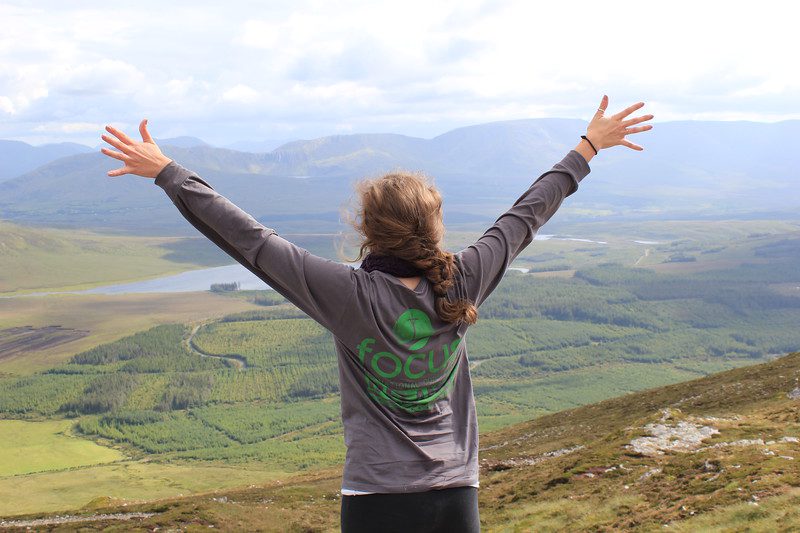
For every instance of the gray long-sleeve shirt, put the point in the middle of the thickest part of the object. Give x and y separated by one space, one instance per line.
406 394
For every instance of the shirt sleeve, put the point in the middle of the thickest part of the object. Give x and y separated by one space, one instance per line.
320 287
485 262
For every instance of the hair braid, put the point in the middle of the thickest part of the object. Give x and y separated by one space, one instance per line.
401 214
439 267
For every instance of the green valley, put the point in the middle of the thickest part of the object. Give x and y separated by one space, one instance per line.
245 391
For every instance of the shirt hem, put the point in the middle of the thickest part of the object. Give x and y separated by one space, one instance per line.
352 492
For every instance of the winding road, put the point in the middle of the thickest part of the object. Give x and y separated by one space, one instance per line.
646 253
240 362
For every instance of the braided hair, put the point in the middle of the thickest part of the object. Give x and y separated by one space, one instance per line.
400 214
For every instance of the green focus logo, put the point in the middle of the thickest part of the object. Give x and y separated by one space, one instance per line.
414 380
414 328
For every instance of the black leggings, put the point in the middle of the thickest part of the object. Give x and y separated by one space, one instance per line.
434 511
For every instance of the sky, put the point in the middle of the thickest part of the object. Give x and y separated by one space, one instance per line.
261 70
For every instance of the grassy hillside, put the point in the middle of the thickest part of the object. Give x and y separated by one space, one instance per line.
730 460
750 455
39 259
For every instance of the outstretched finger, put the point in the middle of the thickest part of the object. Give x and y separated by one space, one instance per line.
116 144
637 120
631 145
121 136
602 108
145 134
120 171
115 155
627 111
638 129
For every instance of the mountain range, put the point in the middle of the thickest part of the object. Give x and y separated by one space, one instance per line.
688 169
17 157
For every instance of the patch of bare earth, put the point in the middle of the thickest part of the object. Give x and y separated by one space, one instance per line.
17 340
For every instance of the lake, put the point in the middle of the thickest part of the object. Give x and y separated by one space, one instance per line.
201 279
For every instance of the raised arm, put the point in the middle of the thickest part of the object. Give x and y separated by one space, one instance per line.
320 287
485 262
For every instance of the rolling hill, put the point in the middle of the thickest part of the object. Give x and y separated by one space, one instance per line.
719 452
17 157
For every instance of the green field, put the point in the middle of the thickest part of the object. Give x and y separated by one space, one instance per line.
27 447
131 481
51 259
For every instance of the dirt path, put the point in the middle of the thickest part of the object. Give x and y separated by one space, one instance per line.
646 253
239 361
66 519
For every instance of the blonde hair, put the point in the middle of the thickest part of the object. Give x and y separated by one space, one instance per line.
400 214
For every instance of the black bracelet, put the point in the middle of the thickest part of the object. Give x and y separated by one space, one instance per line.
590 143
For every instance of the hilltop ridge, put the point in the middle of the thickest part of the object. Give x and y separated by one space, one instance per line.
481 170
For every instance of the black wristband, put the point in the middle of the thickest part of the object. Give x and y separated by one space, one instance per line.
590 143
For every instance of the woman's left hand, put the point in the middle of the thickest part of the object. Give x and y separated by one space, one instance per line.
141 158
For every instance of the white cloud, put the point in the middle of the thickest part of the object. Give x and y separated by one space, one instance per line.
69 127
241 94
6 105
353 94
259 34
179 88
106 76
768 87
309 67
24 93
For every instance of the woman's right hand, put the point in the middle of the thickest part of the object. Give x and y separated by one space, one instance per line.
141 158
605 132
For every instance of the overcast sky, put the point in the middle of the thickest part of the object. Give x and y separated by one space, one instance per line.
233 70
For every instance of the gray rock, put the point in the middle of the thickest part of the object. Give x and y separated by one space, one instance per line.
683 437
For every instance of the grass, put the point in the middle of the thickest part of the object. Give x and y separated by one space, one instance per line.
553 492
51 259
779 513
27 447
563 390
728 488
128 480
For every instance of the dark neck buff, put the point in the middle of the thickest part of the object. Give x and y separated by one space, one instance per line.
390 264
